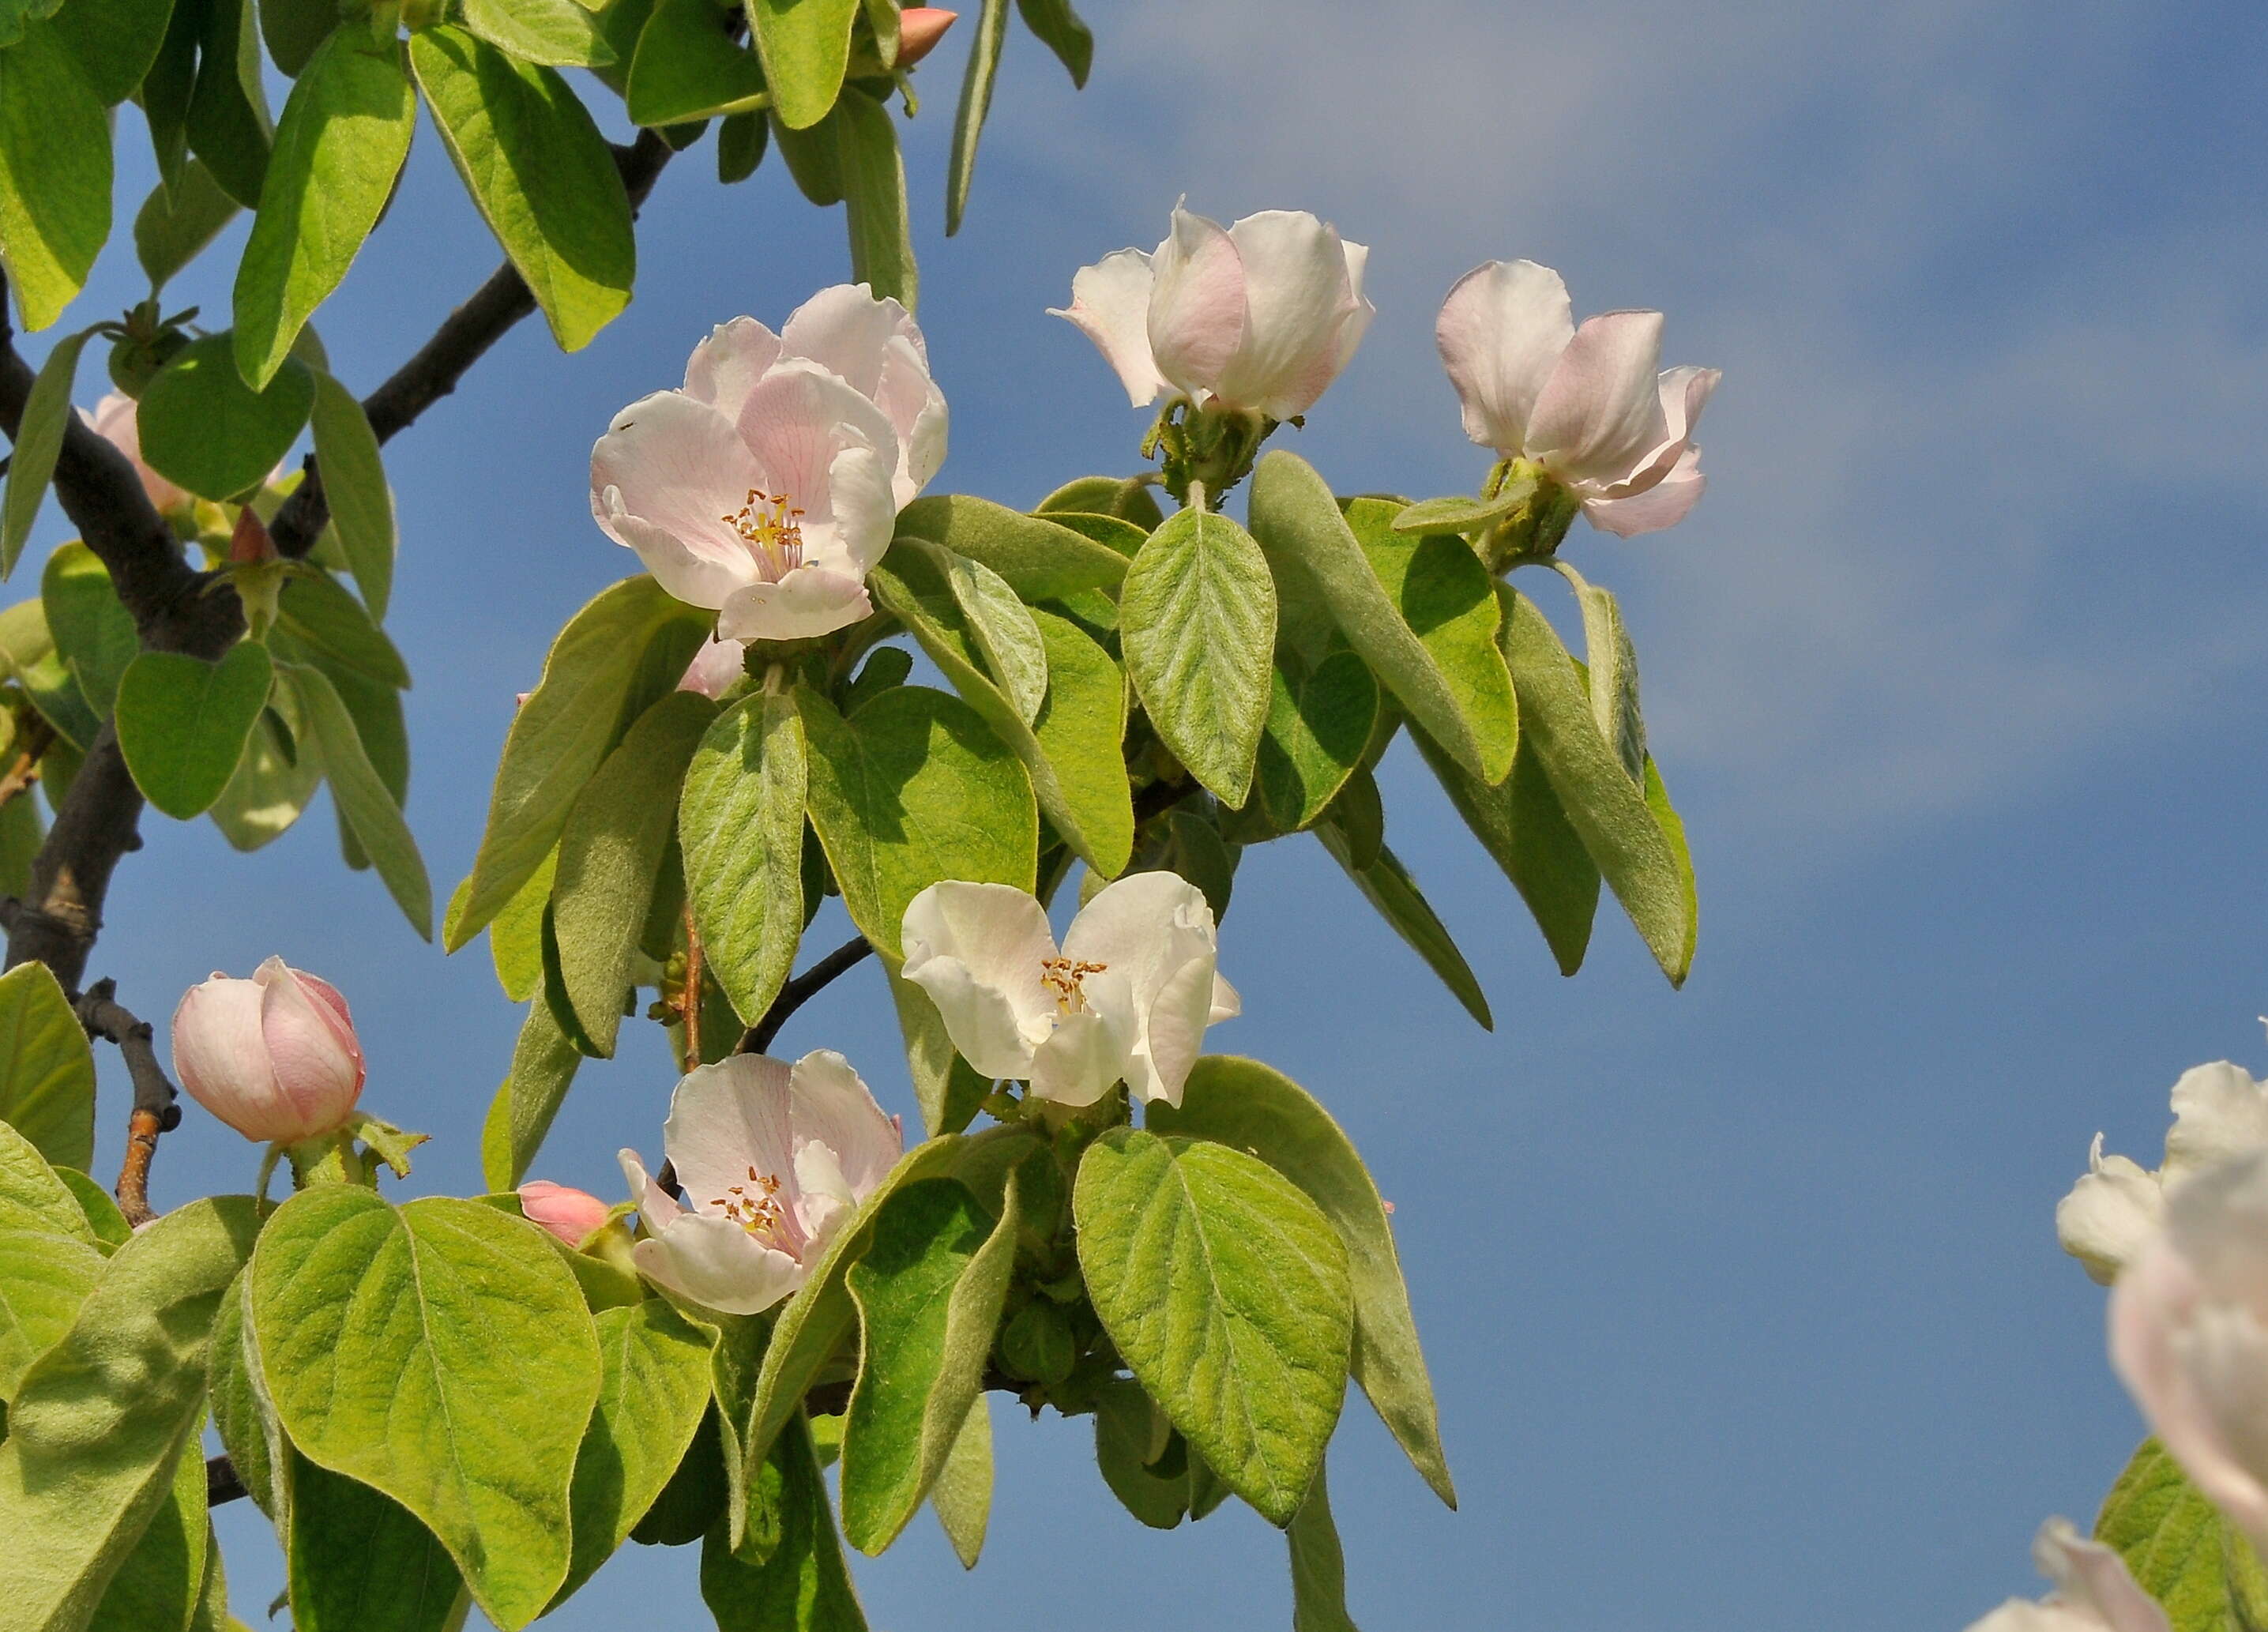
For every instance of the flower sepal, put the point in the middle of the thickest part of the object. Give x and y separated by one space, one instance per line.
1535 526
1212 447
350 1154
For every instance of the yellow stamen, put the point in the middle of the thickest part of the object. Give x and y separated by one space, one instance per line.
772 528
1068 981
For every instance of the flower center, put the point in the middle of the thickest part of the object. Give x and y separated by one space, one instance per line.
1068 982
755 1207
773 531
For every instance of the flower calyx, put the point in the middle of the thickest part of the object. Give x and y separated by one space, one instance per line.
1209 449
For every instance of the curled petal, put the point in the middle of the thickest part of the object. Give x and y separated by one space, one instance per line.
2092 1576
1173 1032
2219 1112
655 1204
712 1261
1500 334
1600 414
798 418
2110 1215
318 1071
861 514
847 331
916 408
978 949
1664 505
1110 306
1197 306
1084 1055
1300 300
727 366
809 601
716 668
829 1105
1227 1005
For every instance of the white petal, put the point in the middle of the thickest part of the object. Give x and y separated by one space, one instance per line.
663 480
1082 1057
1110 306
1664 505
1145 926
1197 309
727 366
976 949
1600 414
1684 392
2021 1614
712 1261
221 1057
1227 1005
718 666
2091 1576
848 331
809 601
655 1204
2218 1113
2110 1215
1173 1032
1299 299
1500 333
830 1104
855 528
797 420
822 1199
916 410
725 1119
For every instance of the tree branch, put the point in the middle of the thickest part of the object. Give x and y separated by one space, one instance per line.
156 1110
802 989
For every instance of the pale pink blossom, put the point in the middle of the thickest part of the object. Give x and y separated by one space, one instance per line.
1259 317
1592 407
568 1213
2094 1591
716 668
773 1160
771 485
275 1057
116 421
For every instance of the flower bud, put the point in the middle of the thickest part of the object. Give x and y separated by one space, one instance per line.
568 1213
920 29
275 1057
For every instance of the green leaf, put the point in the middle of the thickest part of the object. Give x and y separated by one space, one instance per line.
1611 671
1226 1290
559 34
15 15
1461 512
111 1229
94 635
688 67
1318 1567
1121 498
88 1461
398 1344
873 174
293 29
366 805
805 46
1673 828
1327 579
609 853
1250 1107
273 782
342 142
1041 558
1386 884
962 1496
911 789
156 1583
739 823
55 174
1058 28
1318 722
543 1064
540 172
1130 1436
740 142
205 429
976 102
182 723
359 1561
626 649
39 441
652 1395
810 158
316 609
242 1415
929 1291
2172 1538
802 1585
228 121
1197 621
114 41
516 933
47 1070
44 1278
175 225
354 482
29 648
1001 627
164 94
1602 803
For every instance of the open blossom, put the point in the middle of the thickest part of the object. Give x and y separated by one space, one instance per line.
774 1159
1260 316
2117 1205
275 1057
2189 1335
1127 995
771 483
2094 1591
116 420
1585 404
568 1213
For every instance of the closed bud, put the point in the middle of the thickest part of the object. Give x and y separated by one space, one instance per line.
920 29
570 1213
275 1057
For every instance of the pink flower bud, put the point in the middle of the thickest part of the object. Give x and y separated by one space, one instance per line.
250 543
275 1057
568 1213
920 29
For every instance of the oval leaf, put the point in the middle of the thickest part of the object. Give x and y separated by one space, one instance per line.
740 825
46 1076
366 805
805 46
1318 726
55 173
39 440
182 723
354 484
688 67
1042 559
559 34
205 429
1197 621
44 1278
873 175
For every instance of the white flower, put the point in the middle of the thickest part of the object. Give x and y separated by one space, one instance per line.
771 485
773 1160
1587 404
2094 1591
2117 1206
1260 316
1129 994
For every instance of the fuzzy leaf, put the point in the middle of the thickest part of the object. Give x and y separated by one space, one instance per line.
1197 622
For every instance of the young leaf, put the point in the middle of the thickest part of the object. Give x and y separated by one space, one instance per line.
1318 1566
228 121
273 783
1318 724
39 441
399 1345
688 67
1610 667
359 1561
94 635
1328 580
557 33
626 648
366 805
203 428
157 1581
1673 828
103 1217
1461 512
241 1413
1041 558
1126 1445
1251 1107
962 1496
811 158
1386 884
542 175
175 224
27 647
801 1585
874 176
740 142
1197 621
354 482
1058 27
2172 1538
55 173
44 1278
929 1291
911 789
543 1064
293 29
182 723
805 45
1226 1290
740 824
32 1195
976 102
339 631
1122 498
344 135
609 852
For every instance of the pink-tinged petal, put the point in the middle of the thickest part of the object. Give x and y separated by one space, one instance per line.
566 1212
713 1261
828 1104
847 331
799 417
1173 1032
1358 322
2092 1576
331 1004
1664 505
655 1204
916 408
823 1199
1600 414
1110 306
718 666
809 602
725 1119
1685 392
1298 298
978 949
854 529
727 366
664 479
116 419
1197 307
220 1055
2023 1614
1082 1057
319 1074
1500 333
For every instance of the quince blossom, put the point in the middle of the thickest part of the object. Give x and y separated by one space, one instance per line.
275 1057
771 483
2094 1591
1129 995
1259 317
1585 404
2118 1205
774 1159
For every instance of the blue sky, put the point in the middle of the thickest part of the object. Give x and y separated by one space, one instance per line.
1743 1302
